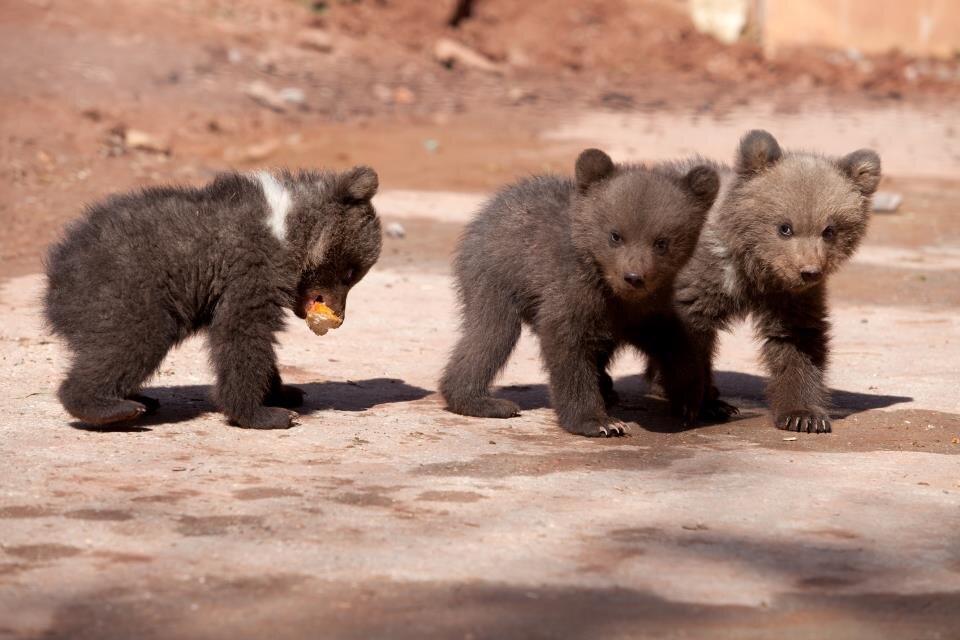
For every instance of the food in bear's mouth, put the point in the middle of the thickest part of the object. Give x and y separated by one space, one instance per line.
321 318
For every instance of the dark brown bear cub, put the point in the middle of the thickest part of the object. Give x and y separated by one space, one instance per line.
783 223
589 265
141 272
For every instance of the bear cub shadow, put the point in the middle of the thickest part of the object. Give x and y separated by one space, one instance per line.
639 403
186 402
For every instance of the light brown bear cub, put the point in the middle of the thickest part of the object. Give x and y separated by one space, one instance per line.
782 223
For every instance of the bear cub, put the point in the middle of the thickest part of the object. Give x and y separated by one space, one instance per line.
783 223
142 271
588 264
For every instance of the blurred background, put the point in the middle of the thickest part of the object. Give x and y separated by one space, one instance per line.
448 99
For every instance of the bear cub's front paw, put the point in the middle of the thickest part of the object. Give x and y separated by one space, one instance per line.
497 408
606 428
803 421
716 410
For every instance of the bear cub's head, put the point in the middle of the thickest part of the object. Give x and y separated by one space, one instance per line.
338 235
638 226
793 218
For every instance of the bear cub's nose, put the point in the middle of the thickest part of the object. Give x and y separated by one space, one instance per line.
811 274
633 279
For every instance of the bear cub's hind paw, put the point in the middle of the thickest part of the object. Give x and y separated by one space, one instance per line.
804 422
101 412
151 404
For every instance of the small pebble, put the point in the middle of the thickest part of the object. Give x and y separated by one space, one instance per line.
395 230
886 201
293 95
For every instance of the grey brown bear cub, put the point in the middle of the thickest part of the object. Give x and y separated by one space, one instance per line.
589 265
141 272
783 222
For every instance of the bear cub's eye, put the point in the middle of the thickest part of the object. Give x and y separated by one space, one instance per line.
786 230
615 238
661 245
829 233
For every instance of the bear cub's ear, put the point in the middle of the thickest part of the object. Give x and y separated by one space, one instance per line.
863 168
358 184
703 183
593 165
758 150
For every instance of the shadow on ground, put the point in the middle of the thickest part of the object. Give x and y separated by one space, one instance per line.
845 403
476 609
743 389
186 402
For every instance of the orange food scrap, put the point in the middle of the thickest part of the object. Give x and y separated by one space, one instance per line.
321 318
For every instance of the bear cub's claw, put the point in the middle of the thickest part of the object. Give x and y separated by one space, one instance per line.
150 404
718 411
804 422
610 428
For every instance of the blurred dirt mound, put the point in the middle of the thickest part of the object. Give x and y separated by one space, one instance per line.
611 37
610 41
106 93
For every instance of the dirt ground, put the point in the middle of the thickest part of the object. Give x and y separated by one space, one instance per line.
382 515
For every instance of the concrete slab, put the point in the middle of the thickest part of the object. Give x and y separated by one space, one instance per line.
381 515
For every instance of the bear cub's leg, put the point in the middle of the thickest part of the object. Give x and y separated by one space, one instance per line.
241 347
103 382
92 407
575 385
610 397
490 332
795 352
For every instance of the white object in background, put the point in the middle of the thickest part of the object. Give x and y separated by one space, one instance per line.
725 20
886 201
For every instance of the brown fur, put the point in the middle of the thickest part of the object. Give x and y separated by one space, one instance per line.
142 271
783 223
589 265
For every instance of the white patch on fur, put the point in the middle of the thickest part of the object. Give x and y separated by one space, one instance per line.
716 247
710 238
278 200
731 281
